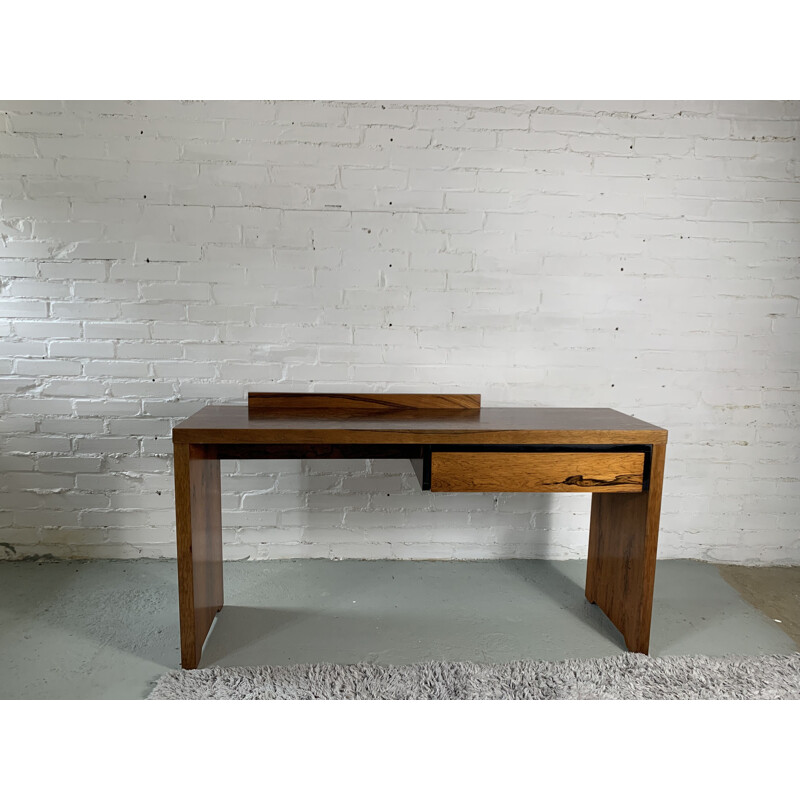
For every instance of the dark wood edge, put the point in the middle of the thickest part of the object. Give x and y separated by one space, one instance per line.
472 438
540 448
422 468
271 401
315 451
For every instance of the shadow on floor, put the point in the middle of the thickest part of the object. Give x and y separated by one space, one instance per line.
558 581
775 591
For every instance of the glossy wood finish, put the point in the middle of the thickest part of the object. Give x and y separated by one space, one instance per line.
198 510
509 426
536 472
621 568
299 401
624 523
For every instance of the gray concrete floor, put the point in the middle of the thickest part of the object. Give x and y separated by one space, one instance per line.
109 629
773 590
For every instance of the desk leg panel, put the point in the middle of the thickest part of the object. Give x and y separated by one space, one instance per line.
198 507
623 539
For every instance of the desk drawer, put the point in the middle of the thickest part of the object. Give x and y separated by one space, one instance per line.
536 472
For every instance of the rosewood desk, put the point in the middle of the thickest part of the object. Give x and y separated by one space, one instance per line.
454 445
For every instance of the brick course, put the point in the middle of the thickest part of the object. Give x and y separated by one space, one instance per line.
157 256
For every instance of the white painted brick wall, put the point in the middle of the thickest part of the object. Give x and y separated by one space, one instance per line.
158 256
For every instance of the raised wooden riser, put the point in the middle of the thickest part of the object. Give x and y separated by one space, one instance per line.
265 402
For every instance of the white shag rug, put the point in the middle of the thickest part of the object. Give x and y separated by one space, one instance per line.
630 676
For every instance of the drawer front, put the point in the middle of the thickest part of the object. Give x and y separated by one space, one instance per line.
536 472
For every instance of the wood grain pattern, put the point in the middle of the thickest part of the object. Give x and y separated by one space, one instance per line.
536 472
198 511
233 425
623 540
625 517
272 401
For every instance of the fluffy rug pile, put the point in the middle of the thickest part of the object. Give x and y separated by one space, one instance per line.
630 676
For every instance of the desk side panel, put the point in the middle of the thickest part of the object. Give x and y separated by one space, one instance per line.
198 508
621 567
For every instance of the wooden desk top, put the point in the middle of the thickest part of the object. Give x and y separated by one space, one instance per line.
233 424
